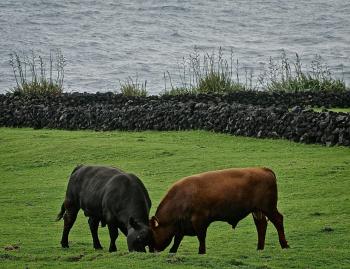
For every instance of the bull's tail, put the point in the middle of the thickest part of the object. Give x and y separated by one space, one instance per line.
76 168
269 170
63 209
60 215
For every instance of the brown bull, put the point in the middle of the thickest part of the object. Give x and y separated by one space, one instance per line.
192 203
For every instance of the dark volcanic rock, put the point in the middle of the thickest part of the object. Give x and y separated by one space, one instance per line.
256 114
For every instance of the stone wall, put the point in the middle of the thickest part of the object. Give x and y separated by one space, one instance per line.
206 112
262 98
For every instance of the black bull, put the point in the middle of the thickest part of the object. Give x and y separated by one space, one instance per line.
110 196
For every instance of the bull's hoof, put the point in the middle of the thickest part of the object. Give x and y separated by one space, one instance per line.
98 247
112 249
284 244
172 251
64 245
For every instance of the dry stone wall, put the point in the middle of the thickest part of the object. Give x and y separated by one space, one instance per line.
261 117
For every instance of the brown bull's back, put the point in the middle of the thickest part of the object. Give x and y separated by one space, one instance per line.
220 194
235 184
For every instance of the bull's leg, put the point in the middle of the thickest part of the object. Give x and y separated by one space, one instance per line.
201 235
200 228
93 223
113 234
277 220
261 225
177 241
69 218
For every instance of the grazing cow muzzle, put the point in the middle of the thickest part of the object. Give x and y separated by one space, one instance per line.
139 236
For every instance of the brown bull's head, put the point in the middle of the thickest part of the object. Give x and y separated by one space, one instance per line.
162 233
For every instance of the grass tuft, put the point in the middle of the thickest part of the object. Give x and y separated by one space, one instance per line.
198 73
133 88
207 73
215 73
33 77
285 75
178 91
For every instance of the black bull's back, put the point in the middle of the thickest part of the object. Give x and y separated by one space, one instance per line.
110 196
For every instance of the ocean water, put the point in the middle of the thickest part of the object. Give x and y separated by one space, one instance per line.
105 42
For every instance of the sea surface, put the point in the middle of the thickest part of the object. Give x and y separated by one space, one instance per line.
105 42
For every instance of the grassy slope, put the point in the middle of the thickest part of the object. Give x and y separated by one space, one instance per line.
34 166
344 110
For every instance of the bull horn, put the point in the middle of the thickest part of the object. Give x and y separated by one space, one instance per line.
155 221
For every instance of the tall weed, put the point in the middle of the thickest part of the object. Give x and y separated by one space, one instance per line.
292 76
208 73
32 75
129 87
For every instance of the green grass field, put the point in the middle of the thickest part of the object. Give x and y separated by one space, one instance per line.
313 183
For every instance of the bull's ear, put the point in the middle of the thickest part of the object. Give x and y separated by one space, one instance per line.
133 223
154 222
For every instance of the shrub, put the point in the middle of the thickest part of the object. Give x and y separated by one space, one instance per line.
31 74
